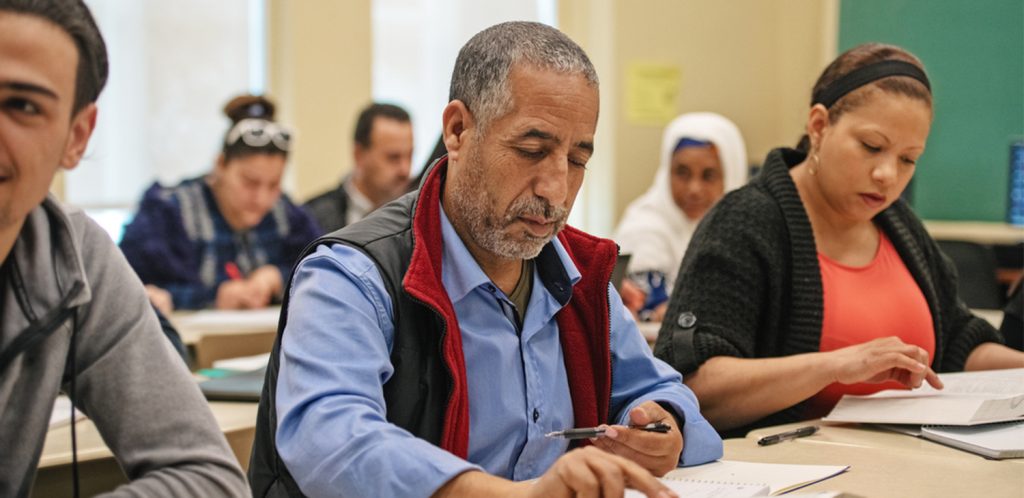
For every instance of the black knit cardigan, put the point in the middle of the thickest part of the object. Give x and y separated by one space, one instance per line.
751 278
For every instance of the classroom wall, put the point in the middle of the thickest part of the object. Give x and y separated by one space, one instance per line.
974 53
732 56
752 61
320 58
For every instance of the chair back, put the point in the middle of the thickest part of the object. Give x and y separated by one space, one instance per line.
976 273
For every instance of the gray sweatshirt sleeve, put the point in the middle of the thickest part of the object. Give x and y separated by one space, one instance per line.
139 394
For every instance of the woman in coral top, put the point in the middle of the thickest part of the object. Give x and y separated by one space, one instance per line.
816 280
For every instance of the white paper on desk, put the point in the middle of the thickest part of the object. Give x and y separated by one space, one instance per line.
689 489
61 414
969 398
779 477
244 363
260 320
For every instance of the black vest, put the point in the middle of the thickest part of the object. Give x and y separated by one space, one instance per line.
427 393
417 392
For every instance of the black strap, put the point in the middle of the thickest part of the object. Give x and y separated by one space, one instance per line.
40 329
864 75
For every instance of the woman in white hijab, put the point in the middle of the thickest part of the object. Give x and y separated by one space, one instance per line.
702 158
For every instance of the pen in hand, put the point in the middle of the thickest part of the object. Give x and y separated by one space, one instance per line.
592 432
784 436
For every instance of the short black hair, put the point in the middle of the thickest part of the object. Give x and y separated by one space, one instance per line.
74 18
364 125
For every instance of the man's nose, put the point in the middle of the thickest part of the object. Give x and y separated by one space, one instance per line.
552 183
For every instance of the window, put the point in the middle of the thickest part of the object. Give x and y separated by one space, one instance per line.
415 43
173 65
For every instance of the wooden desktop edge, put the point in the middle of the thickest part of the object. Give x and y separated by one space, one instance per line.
232 418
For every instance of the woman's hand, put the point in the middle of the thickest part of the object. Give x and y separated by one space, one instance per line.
880 360
632 296
267 282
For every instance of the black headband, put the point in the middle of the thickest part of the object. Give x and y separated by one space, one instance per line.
864 75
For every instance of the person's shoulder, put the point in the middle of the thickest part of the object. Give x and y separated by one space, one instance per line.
749 206
160 195
327 198
90 238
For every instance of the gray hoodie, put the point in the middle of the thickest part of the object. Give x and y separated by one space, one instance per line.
64 269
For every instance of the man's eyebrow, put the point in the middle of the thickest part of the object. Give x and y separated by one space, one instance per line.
20 86
587 146
543 135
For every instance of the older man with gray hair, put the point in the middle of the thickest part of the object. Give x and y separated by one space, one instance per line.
440 346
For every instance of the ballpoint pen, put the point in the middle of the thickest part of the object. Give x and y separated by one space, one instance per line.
592 432
783 436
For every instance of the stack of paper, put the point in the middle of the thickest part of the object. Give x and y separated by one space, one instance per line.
777 477
964 414
968 398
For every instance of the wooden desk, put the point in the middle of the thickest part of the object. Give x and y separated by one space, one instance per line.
884 463
982 232
215 334
99 471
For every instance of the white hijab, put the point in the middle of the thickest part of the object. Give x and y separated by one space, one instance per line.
654 229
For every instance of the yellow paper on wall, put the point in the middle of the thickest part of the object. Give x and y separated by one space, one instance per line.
652 92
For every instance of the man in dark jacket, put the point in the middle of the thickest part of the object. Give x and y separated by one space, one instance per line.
382 157
439 346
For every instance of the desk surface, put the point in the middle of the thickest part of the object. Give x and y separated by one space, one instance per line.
982 232
233 418
194 325
884 463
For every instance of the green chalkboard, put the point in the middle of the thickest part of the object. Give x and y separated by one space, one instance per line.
974 53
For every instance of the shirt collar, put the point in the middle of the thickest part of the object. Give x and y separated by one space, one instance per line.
461 273
356 198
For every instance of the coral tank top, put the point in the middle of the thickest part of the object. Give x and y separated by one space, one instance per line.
864 303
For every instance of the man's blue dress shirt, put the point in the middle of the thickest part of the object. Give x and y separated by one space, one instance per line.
335 358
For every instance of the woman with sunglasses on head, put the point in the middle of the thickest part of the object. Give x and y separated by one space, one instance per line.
226 239
815 280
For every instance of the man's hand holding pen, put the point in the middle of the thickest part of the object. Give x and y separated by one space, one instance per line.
655 451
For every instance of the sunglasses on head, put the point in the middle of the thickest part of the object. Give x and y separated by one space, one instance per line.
260 133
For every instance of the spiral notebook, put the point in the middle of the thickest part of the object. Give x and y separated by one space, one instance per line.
737 477
997 441
693 489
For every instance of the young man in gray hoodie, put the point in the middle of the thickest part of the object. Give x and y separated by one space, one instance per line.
73 315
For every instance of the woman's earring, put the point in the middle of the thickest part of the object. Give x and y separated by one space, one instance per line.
817 164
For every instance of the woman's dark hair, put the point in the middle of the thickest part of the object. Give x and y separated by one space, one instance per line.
248 107
74 18
856 58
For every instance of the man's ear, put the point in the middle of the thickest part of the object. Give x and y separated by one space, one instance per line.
817 123
456 121
82 125
358 153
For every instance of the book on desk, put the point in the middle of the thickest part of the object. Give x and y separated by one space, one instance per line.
981 412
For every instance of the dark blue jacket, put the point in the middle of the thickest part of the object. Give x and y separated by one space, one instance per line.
180 241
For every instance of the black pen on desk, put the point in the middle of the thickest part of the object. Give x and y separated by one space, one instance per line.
785 436
592 432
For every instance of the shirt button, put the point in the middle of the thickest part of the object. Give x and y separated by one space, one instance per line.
536 415
490 288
